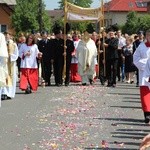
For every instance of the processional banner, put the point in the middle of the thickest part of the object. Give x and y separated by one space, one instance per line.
76 13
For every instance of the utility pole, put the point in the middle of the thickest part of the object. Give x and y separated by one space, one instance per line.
40 16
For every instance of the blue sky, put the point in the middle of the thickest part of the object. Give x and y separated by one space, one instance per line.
52 4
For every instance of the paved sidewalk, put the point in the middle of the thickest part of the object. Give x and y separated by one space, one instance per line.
73 118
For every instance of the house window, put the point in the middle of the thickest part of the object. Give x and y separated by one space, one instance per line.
141 4
3 28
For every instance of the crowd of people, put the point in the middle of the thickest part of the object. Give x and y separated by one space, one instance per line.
70 57
109 57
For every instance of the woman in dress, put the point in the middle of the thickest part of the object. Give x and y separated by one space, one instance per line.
128 55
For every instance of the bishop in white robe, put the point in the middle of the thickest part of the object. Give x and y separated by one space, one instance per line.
86 54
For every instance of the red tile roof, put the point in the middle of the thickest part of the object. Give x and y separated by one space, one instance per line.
124 5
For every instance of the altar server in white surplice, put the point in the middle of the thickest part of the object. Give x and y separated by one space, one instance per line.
29 68
141 60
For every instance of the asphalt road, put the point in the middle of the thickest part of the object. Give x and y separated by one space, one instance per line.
73 118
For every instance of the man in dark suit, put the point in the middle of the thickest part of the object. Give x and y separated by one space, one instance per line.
44 46
69 50
101 52
59 54
111 58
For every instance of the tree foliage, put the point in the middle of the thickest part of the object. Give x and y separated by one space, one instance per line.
134 23
143 23
82 3
26 16
130 26
82 26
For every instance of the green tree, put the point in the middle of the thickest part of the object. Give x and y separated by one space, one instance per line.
135 23
82 26
82 3
26 16
144 23
131 25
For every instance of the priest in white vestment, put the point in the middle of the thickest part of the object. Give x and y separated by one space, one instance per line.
86 54
12 48
3 63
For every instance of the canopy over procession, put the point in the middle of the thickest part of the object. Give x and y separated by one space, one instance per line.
76 13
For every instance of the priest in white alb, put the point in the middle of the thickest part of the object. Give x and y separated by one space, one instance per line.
86 54
9 92
3 63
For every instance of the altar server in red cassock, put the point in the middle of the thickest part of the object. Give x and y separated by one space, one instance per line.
29 69
142 62
75 77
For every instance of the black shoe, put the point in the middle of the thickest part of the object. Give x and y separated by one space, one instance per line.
131 82
66 84
84 84
28 91
91 81
57 84
8 97
3 97
109 85
48 83
147 120
102 83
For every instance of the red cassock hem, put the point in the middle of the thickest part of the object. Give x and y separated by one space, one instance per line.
29 76
145 98
74 77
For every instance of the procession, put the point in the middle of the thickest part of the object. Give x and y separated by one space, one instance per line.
83 77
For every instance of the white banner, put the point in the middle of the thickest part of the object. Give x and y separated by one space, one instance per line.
76 13
78 17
